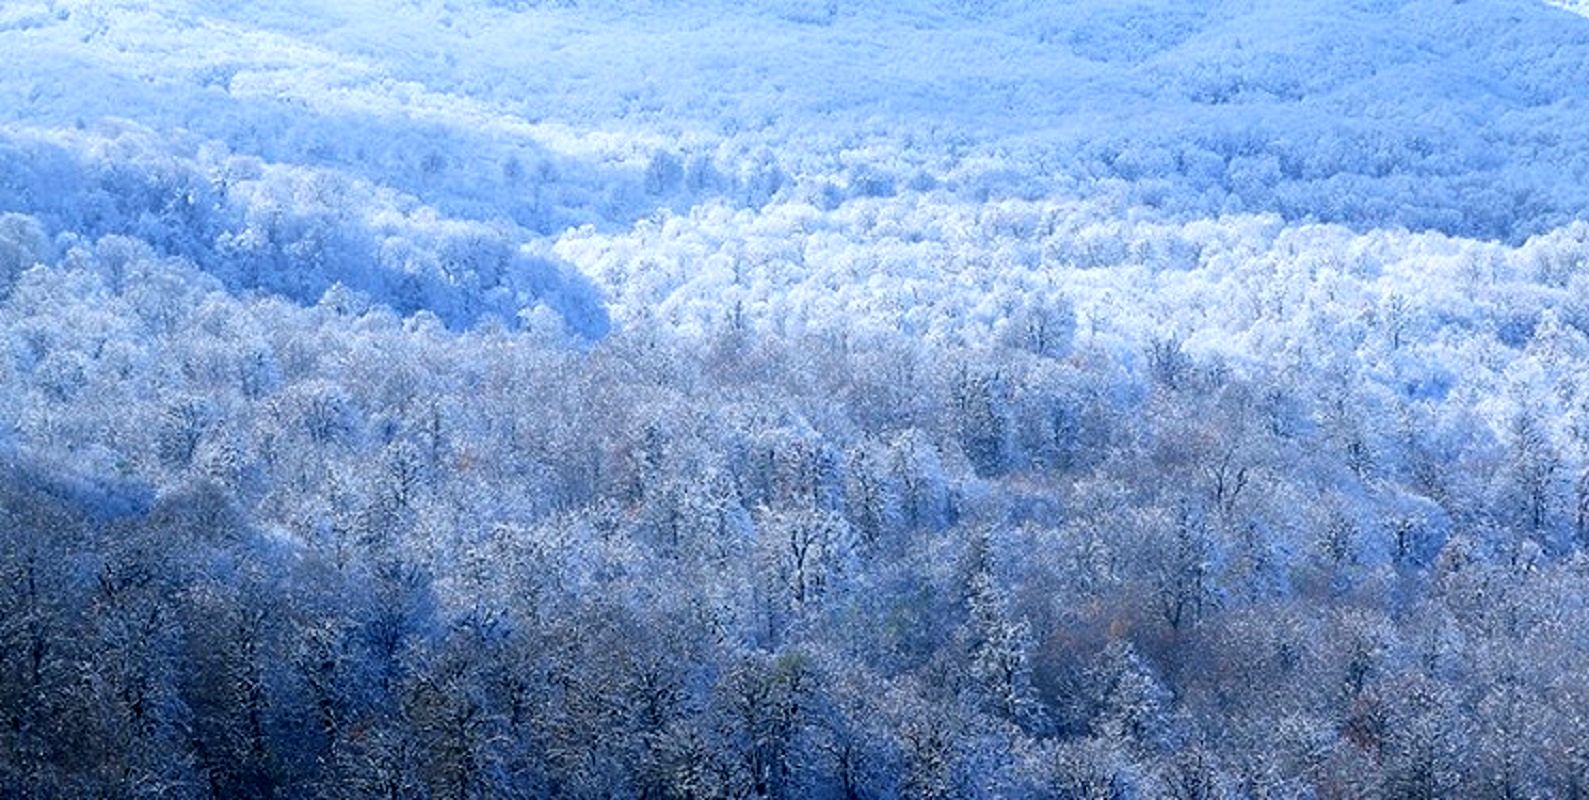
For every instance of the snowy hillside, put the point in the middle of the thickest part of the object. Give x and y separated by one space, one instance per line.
678 155
686 398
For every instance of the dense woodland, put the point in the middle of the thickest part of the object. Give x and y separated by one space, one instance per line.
253 548
801 399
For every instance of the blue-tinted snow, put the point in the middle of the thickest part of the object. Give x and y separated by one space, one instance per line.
1166 166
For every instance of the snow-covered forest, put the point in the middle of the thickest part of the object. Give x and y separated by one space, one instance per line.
1071 399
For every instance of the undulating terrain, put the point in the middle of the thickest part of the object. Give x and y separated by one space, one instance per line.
1093 399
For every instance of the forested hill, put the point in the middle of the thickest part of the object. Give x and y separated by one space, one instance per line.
801 398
